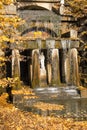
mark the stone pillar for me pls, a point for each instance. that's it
(73, 34)
(49, 66)
(67, 69)
(30, 74)
(55, 67)
(63, 67)
(35, 68)
(15, 63)
(74, 74)
(49, 73)
(62, 8)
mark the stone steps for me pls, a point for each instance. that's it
(61, 92)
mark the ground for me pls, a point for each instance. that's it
(12, 118)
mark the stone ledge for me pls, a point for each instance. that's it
(83, 93)
(32, 44)
(48, 1)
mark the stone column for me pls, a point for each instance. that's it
(15, 63)
(63, 66)
(49, 66)
(74, 75)
(49, 73)
(50, 44)
(55, 67)
(30, 73)
(30, 70)
(62, 9)
(35, 68)
(67, 69)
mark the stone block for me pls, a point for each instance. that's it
(73, 33)
(10, 9)
(84, 93)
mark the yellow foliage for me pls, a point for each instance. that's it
(77, 7)
(8, 26)
(2, 59)
(37, 34)
(11, 40)
(1, 5)
(4, 38)
(7, 1)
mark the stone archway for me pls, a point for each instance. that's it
(40, 20)
(40, 32)
(36, 5)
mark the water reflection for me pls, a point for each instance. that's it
(73, 107)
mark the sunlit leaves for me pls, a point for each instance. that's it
(48, 106)
(1, 5)
(4, 38)
(16, 119)
(9, 25)
(2, 59)
(78, 7)
(7, 2)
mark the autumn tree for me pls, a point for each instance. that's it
(9, 33)
(78, 9)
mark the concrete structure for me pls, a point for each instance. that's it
(46, 30)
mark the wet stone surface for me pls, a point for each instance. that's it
(73, 105)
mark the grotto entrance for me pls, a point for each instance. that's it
(43, 67)
(45, 64)
(25, 66)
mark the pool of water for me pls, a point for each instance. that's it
(74, 106)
